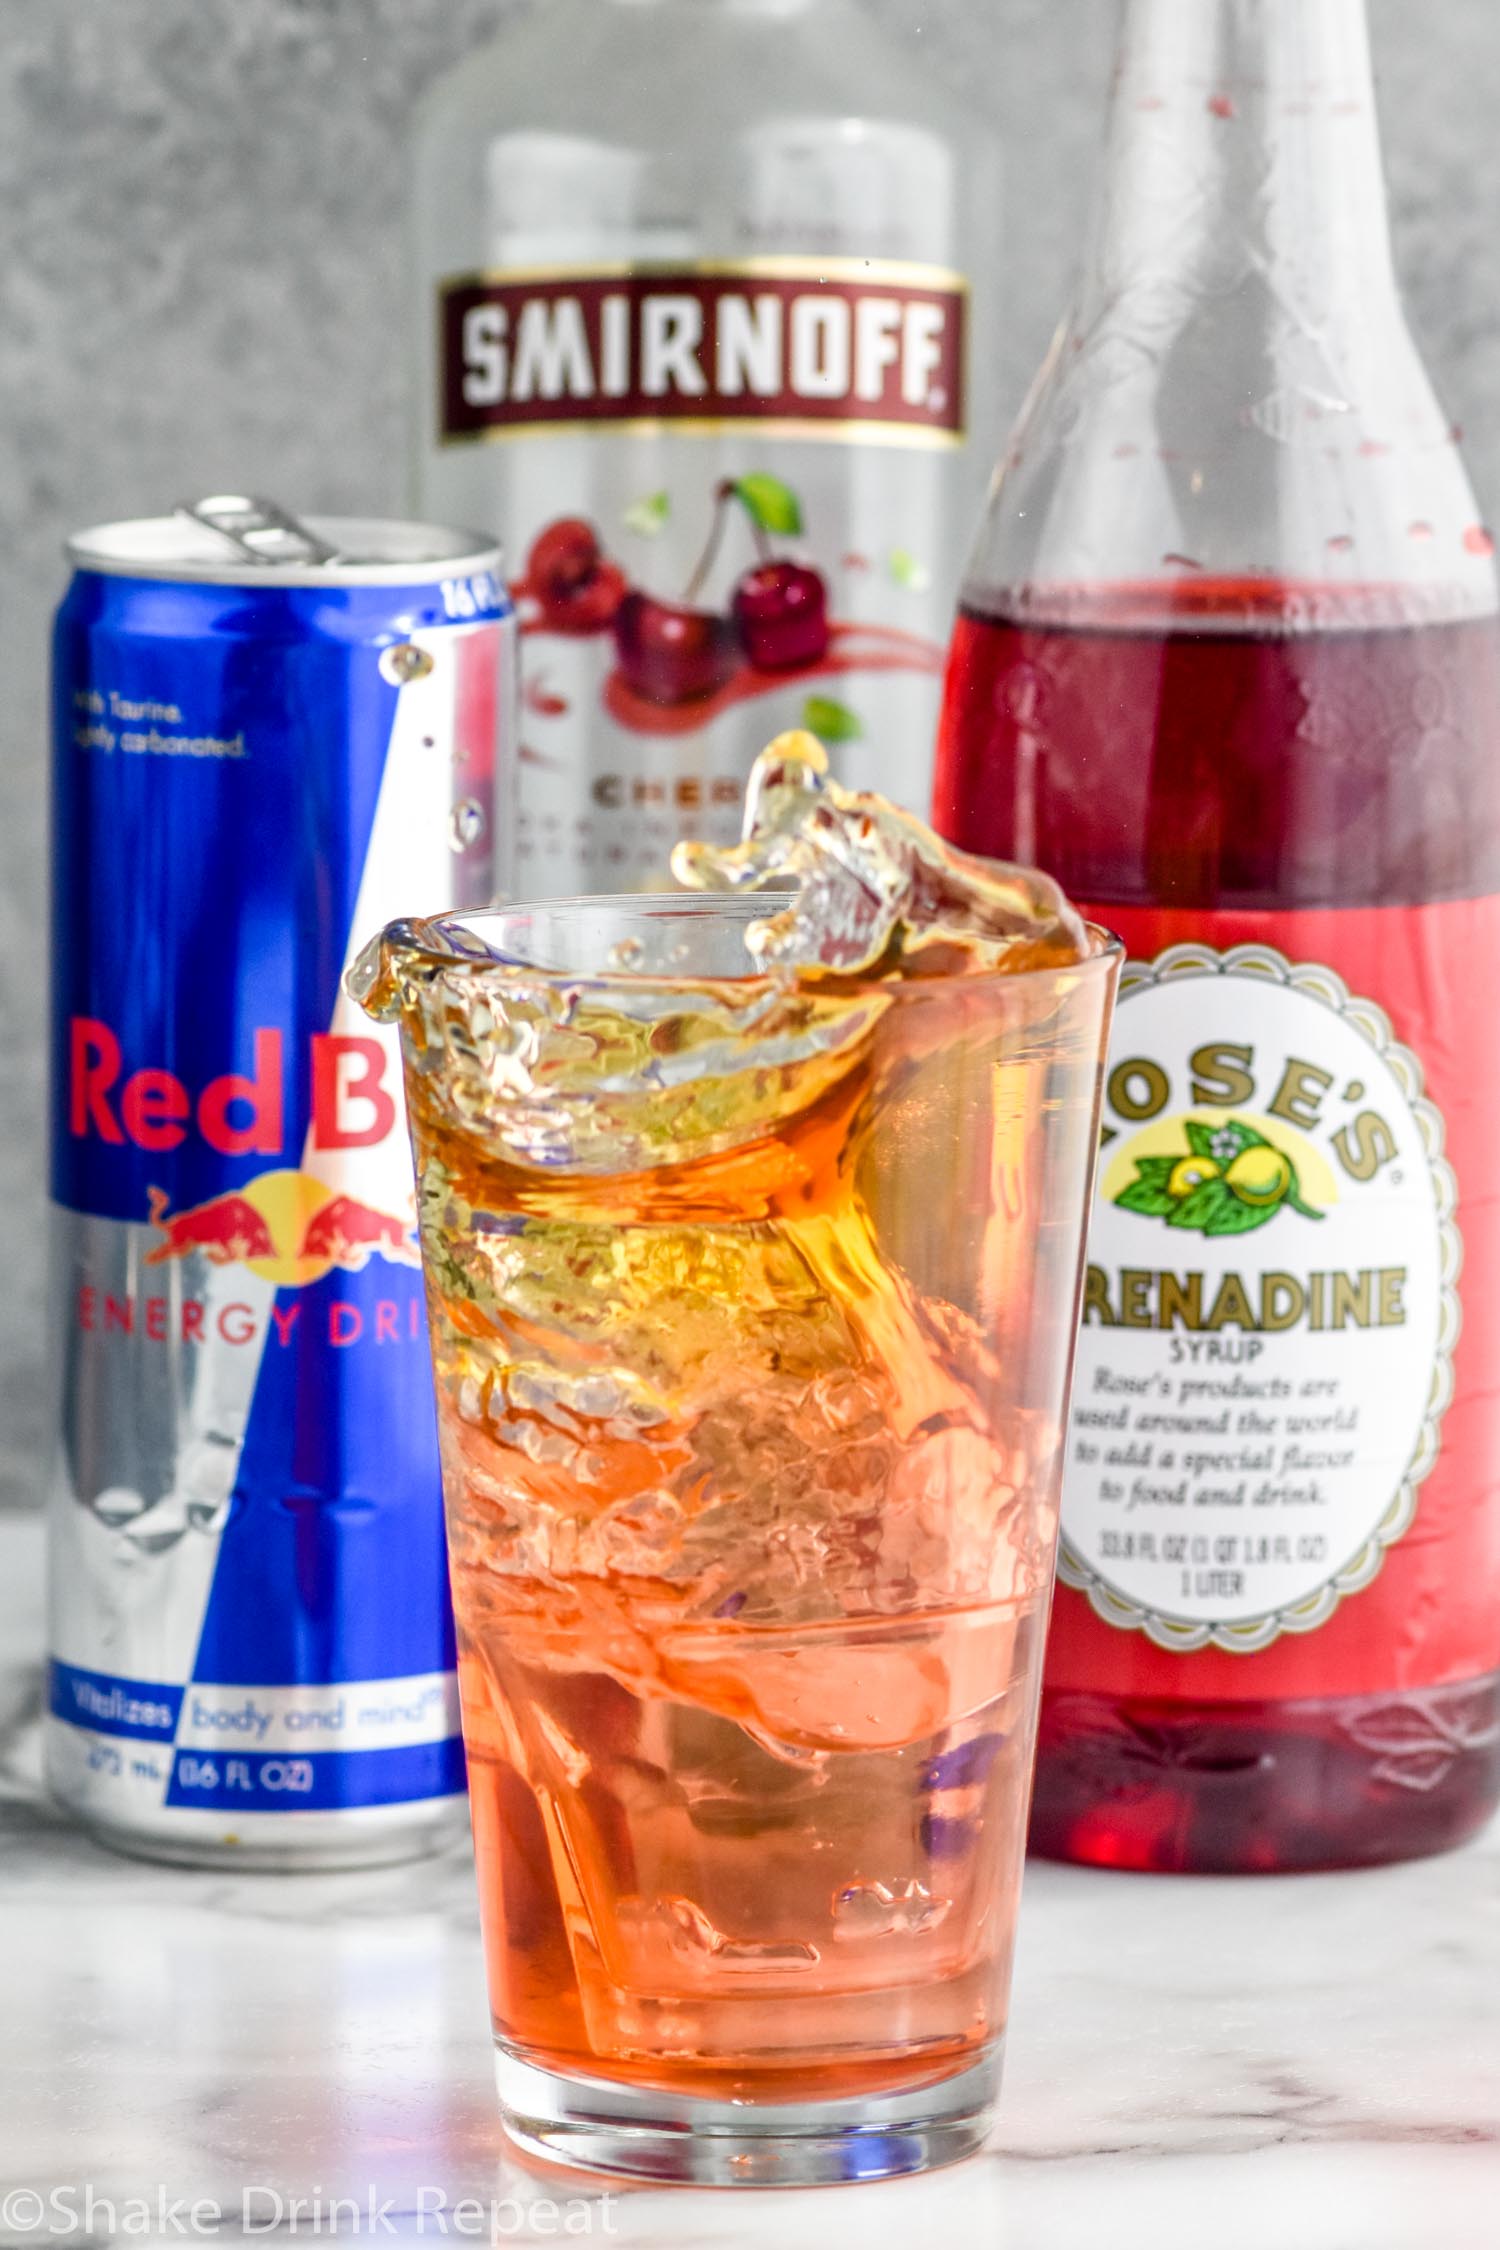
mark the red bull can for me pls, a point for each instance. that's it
(271, 736)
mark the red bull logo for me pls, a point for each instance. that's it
(350, 1234)
(226, 1230)
(286, 1227)
(350, 1104)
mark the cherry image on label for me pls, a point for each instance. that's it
(575, 588)
(781, 609)
(670, 652)
(676, 652)
(679, 663)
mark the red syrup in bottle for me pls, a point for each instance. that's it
(1227, 665)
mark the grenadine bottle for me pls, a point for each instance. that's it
(1227, 664)
(693, 334)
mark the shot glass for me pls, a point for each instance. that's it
(752, 1305)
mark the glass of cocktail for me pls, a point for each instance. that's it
(753, 1246)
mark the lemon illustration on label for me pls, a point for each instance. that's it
(1261, 1177)
(1192, 1172)
(1231, 1179)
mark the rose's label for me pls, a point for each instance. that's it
(1271, 1305)
(831, 347)
(1300, 1111)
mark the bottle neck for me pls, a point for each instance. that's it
(1245, 132)
(1236, 401)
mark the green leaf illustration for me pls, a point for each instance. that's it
(833, 722)
(1244, 1136)
(907, 572)
(1240, 1218)
(1157, 1169)
(648, 516)
(1214, 1205)
(770, 503)
(1151, 1201)
(1203, 1204)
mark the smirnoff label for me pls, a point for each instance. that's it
(1272, 1305)
(731, 496)
(827, 348)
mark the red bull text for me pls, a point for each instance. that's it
(271, 737)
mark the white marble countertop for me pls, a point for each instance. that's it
(1310, 2063)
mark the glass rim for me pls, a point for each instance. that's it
(745, 906)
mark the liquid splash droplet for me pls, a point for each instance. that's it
(627, 955)
(466, 825)
(1478, 541)
(404, 663)
(874, 887)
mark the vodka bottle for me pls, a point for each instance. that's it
(694, 336)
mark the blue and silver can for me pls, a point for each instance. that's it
(270, 737)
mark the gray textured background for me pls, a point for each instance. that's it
(200, 287)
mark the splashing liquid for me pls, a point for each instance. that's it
(876, 893)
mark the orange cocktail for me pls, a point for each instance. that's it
(753, 1287)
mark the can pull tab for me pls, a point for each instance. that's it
(260, 530)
